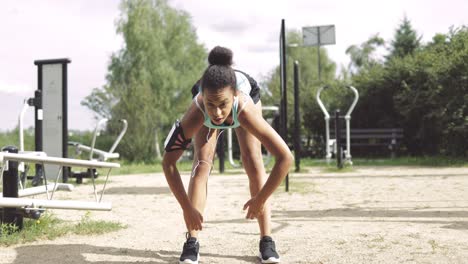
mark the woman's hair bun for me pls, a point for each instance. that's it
(220, 56)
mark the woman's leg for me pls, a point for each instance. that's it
(251, 155)
(204, 149)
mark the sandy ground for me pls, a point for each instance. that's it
(370, 215)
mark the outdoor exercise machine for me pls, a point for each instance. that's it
(50, 114)
(334, 145)
(15, 207)
(79, 148)
(51, 124)
(101, 154)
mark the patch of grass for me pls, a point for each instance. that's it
(301, 187)
(341, 242)
(330, 169)
(49, 227)
(186, 165)
(134, 168)
(433, 244)
(182, 165)
(425, 161)
(378, 239)
(142, 167)
(87, 226)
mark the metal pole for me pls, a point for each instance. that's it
(10, 189)
(58, 161)
(338, 153)
(348, 124)
(38, 117)
(318, 54)
(13, 203)
(43, 189)
(327, 124)
(66, 171)
(297, 129)
(230, 157)
(284, 101)
(220, 149)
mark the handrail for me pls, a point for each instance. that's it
(356, 98)
(57, 161)
(347, 118)
(96, 129)
(122, 133)
(54, 204)
(20, 123)
(319, 101)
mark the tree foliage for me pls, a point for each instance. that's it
(406, 40)
(421, 88)
(149, 79)
(361, 56)
(433, 95)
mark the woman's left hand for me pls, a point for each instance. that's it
(255, 206)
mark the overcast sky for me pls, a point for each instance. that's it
(84, 31)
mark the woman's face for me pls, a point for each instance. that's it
(218, 104)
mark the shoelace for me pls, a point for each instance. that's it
(268, 244)
(190, 245)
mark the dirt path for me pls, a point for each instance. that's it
(371, 215)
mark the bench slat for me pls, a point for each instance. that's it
(369, 144)
(376, 136)
(376, 130)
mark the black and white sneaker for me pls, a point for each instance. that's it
(268, 252)
(190, 253)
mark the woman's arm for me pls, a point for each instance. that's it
(190, 123)
(254, 123)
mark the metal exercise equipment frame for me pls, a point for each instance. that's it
(12, 197)
(101, 154)
(328, 141)
(283, 130)
(267, 157)
(51, 111)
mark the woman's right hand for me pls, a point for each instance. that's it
(193, 219)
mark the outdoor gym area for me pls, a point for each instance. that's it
(355, 193)
(369, 215)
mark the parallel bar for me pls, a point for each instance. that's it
(51, 204)
(103, 154)
(58, 161)
(42, 189)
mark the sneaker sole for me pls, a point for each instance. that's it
(188, 261)
(270, 260)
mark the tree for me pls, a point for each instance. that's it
(149, 79)
(362, 56)
(432, 101)
(424, 92)
(406, 40)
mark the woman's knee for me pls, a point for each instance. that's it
(201, 169)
